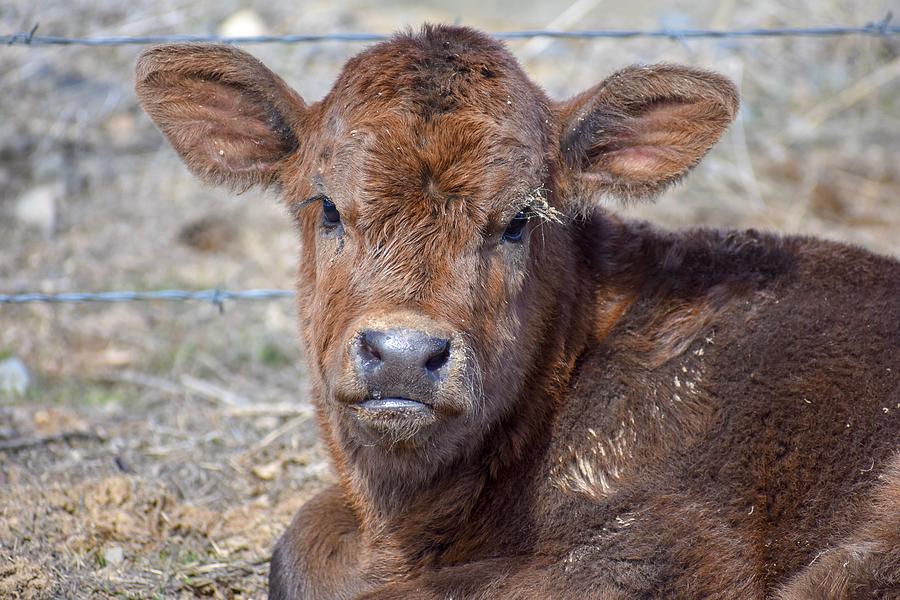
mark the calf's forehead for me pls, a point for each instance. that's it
(453, 158)
(443, 117)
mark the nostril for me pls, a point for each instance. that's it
(439, 358)
(369, 344)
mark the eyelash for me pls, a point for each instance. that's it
(515, 230)
(330, 215)
(331, 218)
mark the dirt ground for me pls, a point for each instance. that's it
(160, 448)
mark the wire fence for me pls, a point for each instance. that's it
(218, 297)
(880, 27)
(213, 296)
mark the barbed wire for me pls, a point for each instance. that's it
(213, 296)
(218, 297)
(880, 27)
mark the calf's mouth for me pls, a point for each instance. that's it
(394, 404)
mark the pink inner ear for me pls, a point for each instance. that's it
(660, 142)
(640, 162)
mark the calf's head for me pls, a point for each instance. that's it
(436, 192)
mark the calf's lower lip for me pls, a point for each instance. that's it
(393, 405)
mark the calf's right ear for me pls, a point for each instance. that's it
(232, 120)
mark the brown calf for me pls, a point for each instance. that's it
(525, 396)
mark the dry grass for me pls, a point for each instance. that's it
(182, 437)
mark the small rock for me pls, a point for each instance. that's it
(114, 556)
(14, 377)
(267, 472)
(37, 207)
(243, 23)
(117, 357)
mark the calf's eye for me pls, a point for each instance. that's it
(516, 227)
(330, 214)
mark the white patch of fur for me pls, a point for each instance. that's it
(596, 467)
(580, 476)
(595, 471)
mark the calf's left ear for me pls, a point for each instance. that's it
(642, 129)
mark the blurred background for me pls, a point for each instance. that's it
(157, 449)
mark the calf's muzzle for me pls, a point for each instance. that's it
(397, 365)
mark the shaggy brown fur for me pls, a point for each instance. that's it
(620, 412)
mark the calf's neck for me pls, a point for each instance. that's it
(523, 395)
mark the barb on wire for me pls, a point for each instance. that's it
(882, 27)
(215, 297)
(25, 37)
